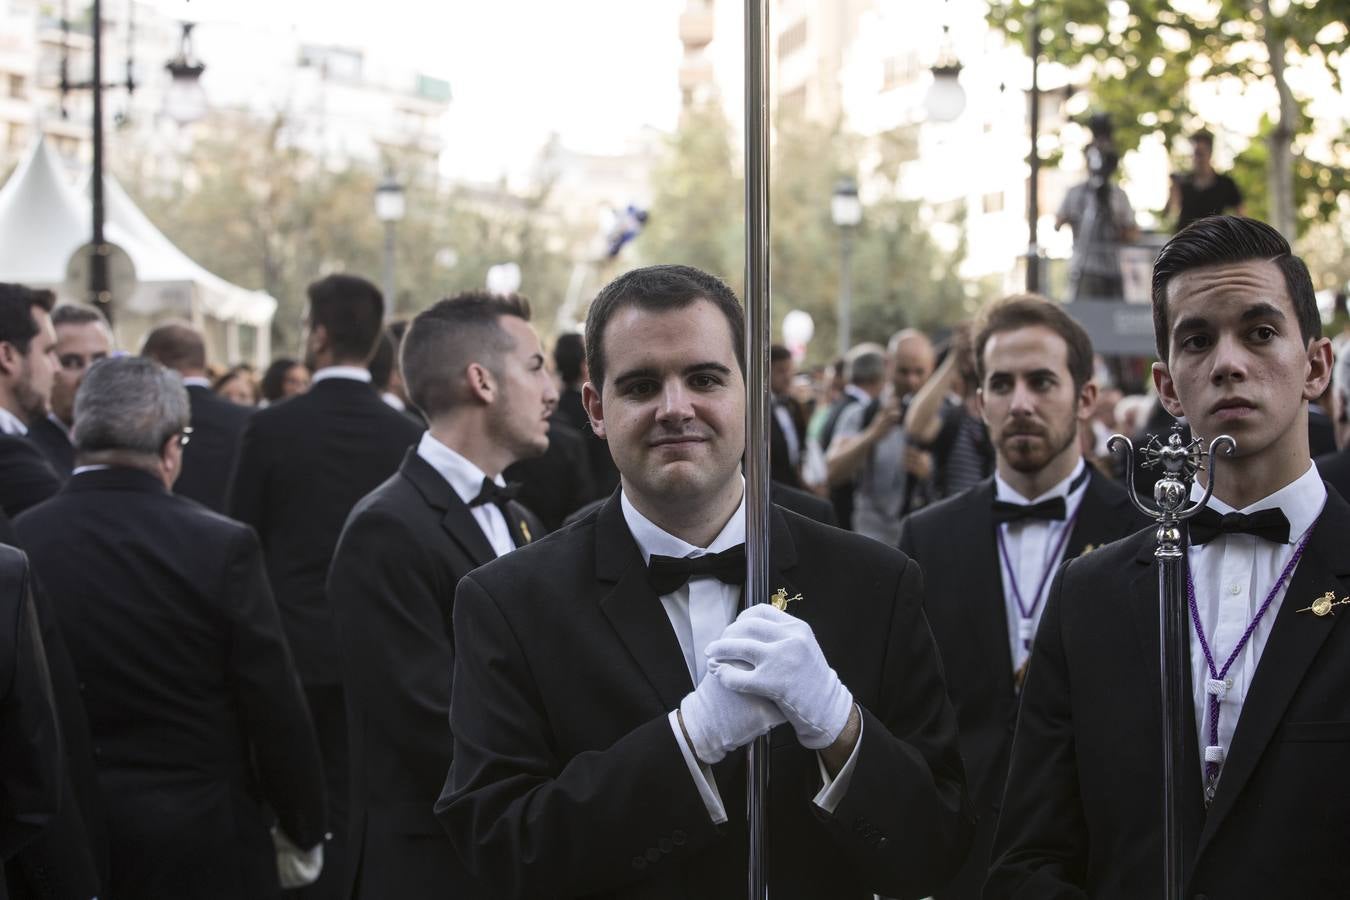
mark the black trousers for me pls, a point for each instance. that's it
(328, 708)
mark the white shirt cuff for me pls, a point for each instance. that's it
(703, 775)
(834, 788)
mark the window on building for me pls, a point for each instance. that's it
(793, 103)
(900, 69)
(792, 40)
(18, 88)
(992, 203)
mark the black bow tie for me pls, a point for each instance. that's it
(492, 492)
(1049, 510)
(667, 574)
(1270, 524)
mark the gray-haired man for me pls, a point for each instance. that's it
(198, 722)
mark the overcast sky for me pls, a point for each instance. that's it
(594, 71)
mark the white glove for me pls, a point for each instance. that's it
(295, 867)
(771, 654)
(718, 720)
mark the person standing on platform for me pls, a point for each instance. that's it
(1202, 191)
(604, 686)
(302, 466)
(988, 553)
(82, 339)
(217, 423)
(1262, 780)
(474, 367)
(27, 369)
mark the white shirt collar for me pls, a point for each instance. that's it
(394, 401)
(652, 540)
(12, 424)
(1301, 501)
(56, 420)
(464, 477)
(1005, 491)
(355, 373)
(857, 393)
(197, 381)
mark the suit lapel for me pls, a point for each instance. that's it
(1100, 518)
(1294, 643)
(456, 519)
(989, 612)
(635, 611)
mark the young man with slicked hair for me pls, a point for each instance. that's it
(82, 339)
(27, 367)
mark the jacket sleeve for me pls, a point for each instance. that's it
(271, 701)
(527, 823)
(29, 480)
(906, 821)
(246, 492)
(1040, 847)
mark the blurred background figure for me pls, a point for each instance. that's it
(238, 385)
(82, 338)
(1202, 191)
(944, 420)
(217, 422)
(569, 362)
(1101, 218)
(285, 377)
(27, 370)
(864, 375)
(787, 436)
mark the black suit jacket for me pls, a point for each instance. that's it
(55, 445)
(1335, 470)
(558, 482)
(604, 474)
(392, 586)
(26, 477)
(197, 717)
(780, 463)
(1083, 811)
(567, 779)
(302, 466)
(955, 543)
(208, 458)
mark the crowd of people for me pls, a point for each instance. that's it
(434, 610)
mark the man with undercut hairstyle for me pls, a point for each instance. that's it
(1263, 778)
(302, 465)
(474, 367)
(988, 553)
(605, 687)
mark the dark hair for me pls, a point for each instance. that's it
(382, 361)
(239, 370)
(17, 325)
(77, 314)
(1216, 240)
(1031, 310)
(659, 288)
(351, 311)
(177, 346)
(1203, 136)
(274, 378)
(778, 353)
(445, 338)
(569, 352)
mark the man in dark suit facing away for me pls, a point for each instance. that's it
(202, 741)
(82, 339)
(27, 367)
(217, 423)
(988, 553)
(601, 702)
(474, 366)
(302, 465)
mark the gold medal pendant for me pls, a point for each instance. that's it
(779, 599)
(1325, 605)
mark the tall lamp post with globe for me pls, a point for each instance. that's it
(390, 206)
(846, 212)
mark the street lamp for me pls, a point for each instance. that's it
(846, 211)
(390, 204)
(185, 101)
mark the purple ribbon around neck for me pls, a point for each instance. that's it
(1028, 614)
(1214, 766)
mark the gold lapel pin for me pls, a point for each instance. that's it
(1088, 549)
(525, 530)
(779, 600)
(1325, 605)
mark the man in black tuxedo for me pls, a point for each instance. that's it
(27, 367)
(600, 707)
(787, 422)
(217, 423)
(474, 365)
(82, 339)
(569, 359)
(302, 465)
(202, 740)
(989, 552)
(1263, 776)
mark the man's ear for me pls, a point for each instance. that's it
(595, 409)
(1167, 390)
(979, 404)
(10, 358)
(1087, 400)
(482, 386)
(1319, 368)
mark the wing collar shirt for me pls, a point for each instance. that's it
(11, 424)
(1232, 575)
(466, 480)
(1030, 545)
(699, 612)
(355, 373)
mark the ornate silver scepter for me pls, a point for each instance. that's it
(1179, 463)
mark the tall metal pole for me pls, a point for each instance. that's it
(1034, 182)
(99, 293)
(758, 325)
(389, 298)
(845, 290)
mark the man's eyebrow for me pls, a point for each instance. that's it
(651, 372)
(1263, 311)
(707, 366)
(633, 374)
(1191, 323)
(1034, 373)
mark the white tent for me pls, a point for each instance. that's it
(43, 220)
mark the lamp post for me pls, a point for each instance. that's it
(185, 101)
(390, 205)
(846, 211)
(1034, 159)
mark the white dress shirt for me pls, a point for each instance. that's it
(355, 373)
(1232, 575)
(1032, 545)
(699, 612)
(466, 480)
(12, 424)
(197, 381)
(783, 415)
